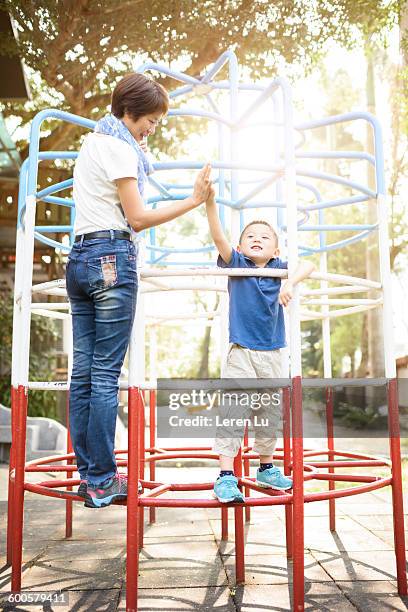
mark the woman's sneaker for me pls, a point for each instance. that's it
(113, 489)
(226, 490)
(104, 494)
(83, 486)
(272, 478)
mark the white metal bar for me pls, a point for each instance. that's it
(51, 314)
(43, 287)
(23, 349)
(341, 302)
(290, 195)
(305, 291)
(184, 315)
(269, 272)
(179, 322)
(185, 287)
(50, 305)
(309, 315)
(137, 344)
(385, 275)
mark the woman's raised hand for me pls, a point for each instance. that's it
(202, 185)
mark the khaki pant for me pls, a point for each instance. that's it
(247, 363)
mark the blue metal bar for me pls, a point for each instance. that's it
(277, 140)
(337, 228)
(179, 76)
(33, 154)
(159, 187)
(221, 173)
(58, 201)
(227, 56)
(177, 250)
(188, 165)
(53, 229)
(309, 187)
(181, 91)
(54, 188)
(22, 190)
(337, 179)
(379, 152)
(170, 192)
(212, 104)
(242, 201)
(72, 214)
(233, 109)
(57, 155)
(187, 112)
(332, 203)
(51, 243)
(337, 155)
(240, 86)
(156, 260)
(196, 264)
(269, 91)
(339, 244)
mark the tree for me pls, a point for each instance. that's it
(78, 50)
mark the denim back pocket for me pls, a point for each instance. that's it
(102, 272)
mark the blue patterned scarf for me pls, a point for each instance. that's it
(112, 126)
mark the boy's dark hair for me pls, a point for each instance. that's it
(138, 95)
(259, 222)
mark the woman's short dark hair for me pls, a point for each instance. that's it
(137, 95)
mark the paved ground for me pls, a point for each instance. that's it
(185, 566)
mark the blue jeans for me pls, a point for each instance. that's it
(102, 287)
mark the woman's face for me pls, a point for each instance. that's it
(142, 127)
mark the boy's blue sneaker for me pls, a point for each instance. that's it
(272, 478)
(226, 490)
(104, 494)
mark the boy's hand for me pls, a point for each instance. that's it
(202, 185)
(286, 293)
(211, 196)
(143, 145)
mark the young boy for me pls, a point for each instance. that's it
(256, 335)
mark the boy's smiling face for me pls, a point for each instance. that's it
(259, 243)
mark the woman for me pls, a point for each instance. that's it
(109, 178)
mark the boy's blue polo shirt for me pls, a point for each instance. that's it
(256, 318)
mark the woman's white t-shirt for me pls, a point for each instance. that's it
(101, 160)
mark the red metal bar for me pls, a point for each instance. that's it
(247, 490)
(298, 497)
(270, 498)
(224, 523)
(397, 500)
(185, 448)
(152, 443)
(10, 497)
(286, 468)
(239, 529)
(20, 451)
(141, 462)
(133, 524)
(330, 454)
(325, 464)
(346, 478)
(163, 488)
(68, 503)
